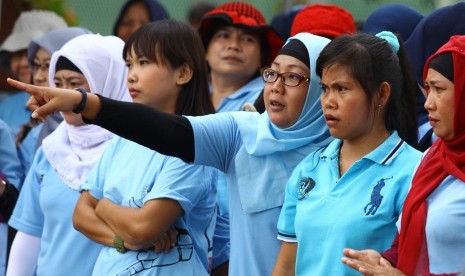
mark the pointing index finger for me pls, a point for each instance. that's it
(23, 86)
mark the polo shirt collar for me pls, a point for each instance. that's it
(383, 154)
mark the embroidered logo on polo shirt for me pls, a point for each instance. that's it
(306, 185)
(376, 197)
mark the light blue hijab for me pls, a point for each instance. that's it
(269, 153)
(53, 41)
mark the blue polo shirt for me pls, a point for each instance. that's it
(246, 94)
(324, 213)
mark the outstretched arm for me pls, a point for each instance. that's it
(45, 101)
(168, 134)
(165, 133)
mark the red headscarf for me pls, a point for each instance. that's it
(444, 158)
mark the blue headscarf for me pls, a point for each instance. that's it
(53, 41)
(155, 9)
(269, 153)
(396, 18)
(433, 31)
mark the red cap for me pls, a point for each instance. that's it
(326, 20)
(243, 15)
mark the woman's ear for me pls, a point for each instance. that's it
(384, 93)
(184, 74)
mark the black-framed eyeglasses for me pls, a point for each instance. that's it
(289, 78)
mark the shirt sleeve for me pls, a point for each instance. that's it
(165, 133)
(184, 183)
(9, 160)
(27, 216)
(217, 140)
(286, 221)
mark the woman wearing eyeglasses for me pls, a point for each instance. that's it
(350, 193)
(256, 151)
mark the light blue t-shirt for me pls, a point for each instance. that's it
(325, 213)
(130, 175)
(234, 102)
(254, 247)
(246, 94)
(445, 227)
(14, 112)
(28, 147)
(45, 209)
(445, 222)
(10, 167)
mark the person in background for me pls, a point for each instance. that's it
(354, 188)
(46, 241)
(196, 11)
(397, 18)
(164, 192)
(433, 31)
(28, 26)
(135, 14)
(13, 111)
(11, 177)
(237, 42)
(256, 151)
(431, 232)
(39, 54)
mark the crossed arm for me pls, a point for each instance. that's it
(139, 228)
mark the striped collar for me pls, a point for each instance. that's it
(383, 154)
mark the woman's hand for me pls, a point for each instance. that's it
(168, 241)
(369, 263)
(47, 100)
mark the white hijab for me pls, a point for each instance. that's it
(73, 151)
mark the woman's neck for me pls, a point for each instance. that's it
(352, 150)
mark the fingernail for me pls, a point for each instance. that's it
(34, 115)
